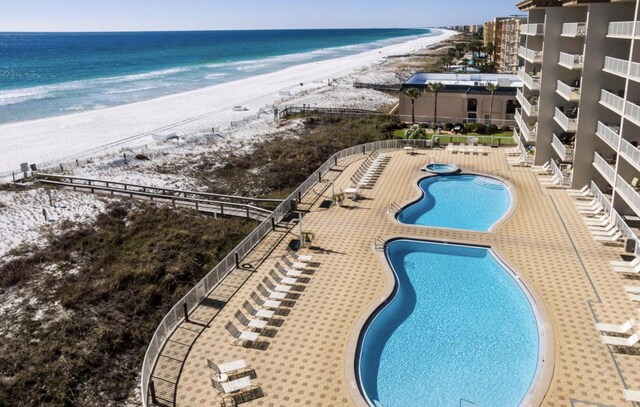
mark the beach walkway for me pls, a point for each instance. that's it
(306, 358)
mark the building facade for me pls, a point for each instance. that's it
(463, 98)
(581, 99)
(504, 34)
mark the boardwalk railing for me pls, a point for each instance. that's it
(191, 300)
(376, 86)
(293, 110)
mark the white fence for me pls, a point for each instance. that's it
(571, 61)
(616, 65)
(607, 171)
(621, 29)
(612, 101)
(574, 29)
(609, 135)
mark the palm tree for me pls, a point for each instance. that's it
(435, 87)
(491, 87)
(413, 94)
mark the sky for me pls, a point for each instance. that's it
(151, 15)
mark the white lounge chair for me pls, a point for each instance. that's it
(622, 263)
(584, 190)
(632, 289)
(599, 221)
(634, 297)
(282, 280)
(606, 232)
(592, 210)
(276, 287)
(271, 295)
(295, 264)
(619, 329)
(288, 272)
(233, 386)
(265, 303)
(609, 239)
(241, 335)
(227, 367)
(632, 395)
(250, 323)
(554, 181)
(260, 313)
(628, 270)
(617, 341)
(546, 167)
(300, 257)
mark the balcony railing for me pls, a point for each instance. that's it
(608, 135)
(530, 55)
(613, 102)
(629, 194)
(632, 112)
(574, 29)
(621, 29)
(567, 124)
(570, 93)
(607, 171)
(616, 66)
(564, 176)
(630, 153)
(564, 152)
(531, 82)
(531, 29)
(527, 106)
(570, 61)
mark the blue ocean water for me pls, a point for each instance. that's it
(458, 328)
(467, 202)
(46, 74)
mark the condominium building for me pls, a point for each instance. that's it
(504, 34)
(581, 99)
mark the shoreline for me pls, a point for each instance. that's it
(190, 112)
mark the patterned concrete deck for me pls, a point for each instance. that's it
(544, 240)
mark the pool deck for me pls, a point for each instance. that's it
(306, 359)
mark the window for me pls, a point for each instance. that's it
(472, 105)
(511, 107)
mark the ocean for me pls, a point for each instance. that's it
(51, 74)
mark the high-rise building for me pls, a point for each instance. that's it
(504, 34)
(581, 99)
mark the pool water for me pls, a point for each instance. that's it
(470, 202)
(458, 327)
(441, 168)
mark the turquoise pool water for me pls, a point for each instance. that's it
(440, 168)
(470, 202)
(458, 327)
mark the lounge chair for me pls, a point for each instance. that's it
(581, 205)
(271, 295)
(618, 341)
(232, 386)
(628, 270)
(593, 209)
(609, 239)
(603, 220)
(622, 263)
(288, 272)
(260, 313)
(250, 323)
(241, 335)
(227, 367)
(581, 191)
(632, 395)
(299, 257)
(634, 297)
(295, 264)
(555, 180)
(276, 287)
(265, 303)
(619, 329)
(605, 232)
(632, 289)
(546, 167)
(282, 280)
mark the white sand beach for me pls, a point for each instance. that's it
(64, 138)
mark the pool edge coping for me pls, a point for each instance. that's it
(541, 382)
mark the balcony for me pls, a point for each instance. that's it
(613, 102)
(568, 124)
(574, 29)
(608, 134)
(622, 29)
(616, 66)
(569, 93)
(526, 132)
(531, 82)
(531, 29)
(632, 112)
(570, 61)
(603, 167)
(630, 153)
(565, 152)
(629, 194)
(530, 55)
(530, 109)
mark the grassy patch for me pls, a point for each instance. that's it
(128, 268)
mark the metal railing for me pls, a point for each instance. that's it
(522, 125)
(530, 55)
(608, 135)
(574, 29)
(564, 180)
(632, 112)
(564, 152)
(530, 109)
(600, 197)
(622, 29)
(616, 65)
(630, 153)
(629, 194)
(531, 82)
(613, 102)
(570, 93)
(531, 29)
(571, 61)
(293, 110)
(567, 124)
(607, 171)
(191, 300)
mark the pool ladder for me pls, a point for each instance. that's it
(394, 207)
(379, 244)
(465, 402)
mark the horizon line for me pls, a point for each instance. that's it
(213, 30)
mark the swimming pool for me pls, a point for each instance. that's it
(471, 202)
(458, 327)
